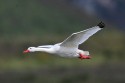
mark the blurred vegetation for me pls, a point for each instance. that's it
(25, 23)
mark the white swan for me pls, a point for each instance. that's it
(69, 47)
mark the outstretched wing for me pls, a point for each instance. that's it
(79, 37)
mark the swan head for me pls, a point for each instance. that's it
(30, 49)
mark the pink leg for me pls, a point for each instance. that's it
(81, 56)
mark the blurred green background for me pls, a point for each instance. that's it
(25, 23)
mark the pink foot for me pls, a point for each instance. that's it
(84, 56)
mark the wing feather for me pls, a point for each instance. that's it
(79, 37)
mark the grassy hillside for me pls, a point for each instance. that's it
(37, 22)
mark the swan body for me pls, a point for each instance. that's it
(69, 47)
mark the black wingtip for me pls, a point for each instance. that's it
(101, 25)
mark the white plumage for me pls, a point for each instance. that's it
(69, 47)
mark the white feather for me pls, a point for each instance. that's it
(69, 47)
(79, 37)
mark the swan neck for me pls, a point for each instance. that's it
(44, 50)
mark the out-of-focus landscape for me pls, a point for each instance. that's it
(25, 23)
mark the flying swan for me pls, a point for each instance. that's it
(69, 47)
